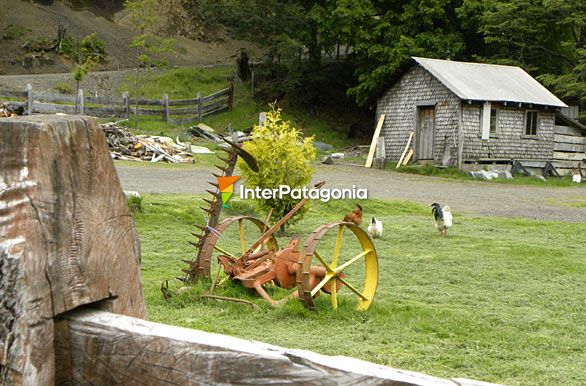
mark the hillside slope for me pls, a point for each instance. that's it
(28, 21)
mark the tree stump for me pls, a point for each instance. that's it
(66, 238)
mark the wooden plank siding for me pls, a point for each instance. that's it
(182, 110)
(399, 104)
(458, 133)
(568, 130)
(569, 148)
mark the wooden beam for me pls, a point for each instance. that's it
(569, 156)
(567, 130)
(408, 157)
(101, 348)
(558, 146)
(67, 237)
(377, 131)
(405, 151)
(569, 139)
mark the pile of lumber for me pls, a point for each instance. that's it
(124, 145)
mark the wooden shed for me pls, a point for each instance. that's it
(474, 113)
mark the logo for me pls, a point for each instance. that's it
(226, 185)
(322, 194)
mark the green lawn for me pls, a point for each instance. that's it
(499, 300)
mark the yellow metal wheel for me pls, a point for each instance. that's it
(340, 259)
(232, 237)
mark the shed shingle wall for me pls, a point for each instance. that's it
(510, 140)
(399, 106)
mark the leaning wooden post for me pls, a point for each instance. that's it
(377, 131)
(126, 102)
(405, 150)
(79, 102)
(166, 107)
(230, 96)
(199, 106)
(29, 99)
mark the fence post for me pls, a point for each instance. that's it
(230, 95)
(126, 101)
(29, 99)
(79, 102)
(166, 107)
(379, 160)
(199, 106)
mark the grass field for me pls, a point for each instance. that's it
(499, 300)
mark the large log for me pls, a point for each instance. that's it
(66, 238)
(100, 348)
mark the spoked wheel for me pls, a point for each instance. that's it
(232, 237)
(346, 254)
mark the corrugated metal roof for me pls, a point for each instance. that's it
(489, 82)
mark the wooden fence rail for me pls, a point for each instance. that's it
(171, 110)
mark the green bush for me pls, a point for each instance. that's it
(63, 88)
(89, 47)
(134, 204)
(284, 158)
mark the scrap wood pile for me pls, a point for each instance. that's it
(124, 145)
(7, 110)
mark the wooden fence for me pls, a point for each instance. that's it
(172, 110)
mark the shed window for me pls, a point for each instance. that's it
(531, 119)
(493, 120)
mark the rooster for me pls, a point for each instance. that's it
(375, 229)
(443, 218)
(355, 216)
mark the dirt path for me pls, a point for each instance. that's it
(480, 198)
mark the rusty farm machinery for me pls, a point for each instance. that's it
(244, 248)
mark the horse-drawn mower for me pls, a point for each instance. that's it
(244, 249)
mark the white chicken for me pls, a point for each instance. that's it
(443, 218)
(577, 174)
(375, 228)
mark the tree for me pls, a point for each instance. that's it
(402, 29)
(546, 37)
(284, 158)
(86, 53)
(148, 47)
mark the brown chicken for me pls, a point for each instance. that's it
(355, 216)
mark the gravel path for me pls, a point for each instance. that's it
(479, 198)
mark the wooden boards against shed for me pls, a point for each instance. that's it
(379, 126)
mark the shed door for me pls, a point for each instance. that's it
(425, 131)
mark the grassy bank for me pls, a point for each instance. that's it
(185, 83)
(499, 300)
